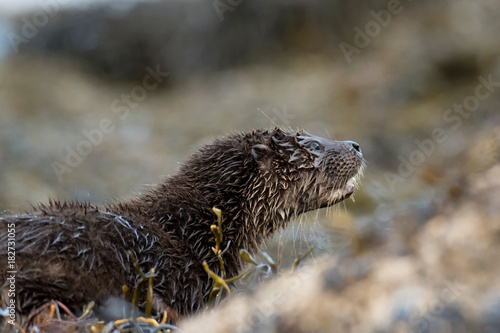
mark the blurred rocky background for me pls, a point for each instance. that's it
(99, 99)
(440, 278)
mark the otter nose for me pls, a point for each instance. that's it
(353, 145)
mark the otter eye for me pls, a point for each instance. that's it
(316, 146)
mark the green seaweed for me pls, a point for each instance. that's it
(221, 283)
(142, 278)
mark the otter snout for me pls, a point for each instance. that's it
(354, 146)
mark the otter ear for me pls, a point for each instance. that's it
(261, 153)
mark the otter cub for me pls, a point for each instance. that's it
(77, 252)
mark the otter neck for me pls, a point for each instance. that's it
(251, 214)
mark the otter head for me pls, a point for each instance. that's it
(306, 171)
(261, 180)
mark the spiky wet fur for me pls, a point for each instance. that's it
(76, 252)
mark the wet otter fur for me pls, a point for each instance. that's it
(77, 252)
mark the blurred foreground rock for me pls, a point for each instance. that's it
(443, 277)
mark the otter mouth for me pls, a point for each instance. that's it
(342, 193)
